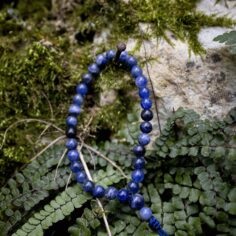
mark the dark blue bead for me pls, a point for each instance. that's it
(123, 57)
(144, 92)
(155, 225)
(73, 155)
(76, 166)
(101, 60)
(136, 71)
(98, 191)
(145, 213)
(123, 195)
(139, 163)
(71, 143)
(74, 110)
(146, 127)
(111, 193)
(137, 176)
(141, 81)
(71, 132)
(131, 61)
(82, 89)
(78, 99)
(133, 187)
(110, 54)
(87, 78)
(88, 186)
(139, 150)
(144, 139)
(94, 69)
(147, 115)
(137, 201)
(71, 121)
(146, 103)
(81, 177)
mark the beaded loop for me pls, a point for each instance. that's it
(129, 195)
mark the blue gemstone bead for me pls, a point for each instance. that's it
(101, 60)
(139, 163)
(133, 187)
(144, 92)
(71, 121)
(137, 201)
(146, 127)
(147, 115)
(71, 143)
(145, 213)
(146, 103)
(87, 78)
(136, 71)
(139, 150)
(81, 177)
(94, 69)
(131, 61)
(137, 176)
(98, 191)
(123, 57)
(74, 110)
(73, 155)
(78, 99)
(141, 81)
(111, 193)
(88, 186)
(143, 139)
(76, 166)
(71, 132)
(82, 89)
(110, 54)
(123, 195)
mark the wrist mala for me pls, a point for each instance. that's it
(129, 194)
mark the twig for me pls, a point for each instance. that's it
(60, 160)
(48, 146)
(92, 157)
(68, 180)
(98, 201)
(50, 105)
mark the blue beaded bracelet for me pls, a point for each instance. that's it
(125, 195)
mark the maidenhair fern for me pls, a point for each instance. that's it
(189, 185)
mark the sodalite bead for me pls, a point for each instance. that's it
(94, 69)
(137, 201)
(136, 71)
(137, 176)
(81, 177)
(78, 99)
(111, 193)
(133, 187)
(144, 139)
(74, 110)
(146, 127)
(87, 78)
(71, 132)
(71, 121)
(88, 186)
(147, 115)
(139, 150)
(76, 166)
(141, 81)
(131, 61)
(146, 103)
(139, 163)
(144, 92)
(145, 213)
(71, 143)
(123, 195)
(82, 89)
(73, 155)
(110, 54)
(123, 57)
(98, 191)
(101, 60)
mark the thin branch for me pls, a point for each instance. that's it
(49, 104)
(60, 160)
(98, 201)
(68, 180)
(92, 157)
